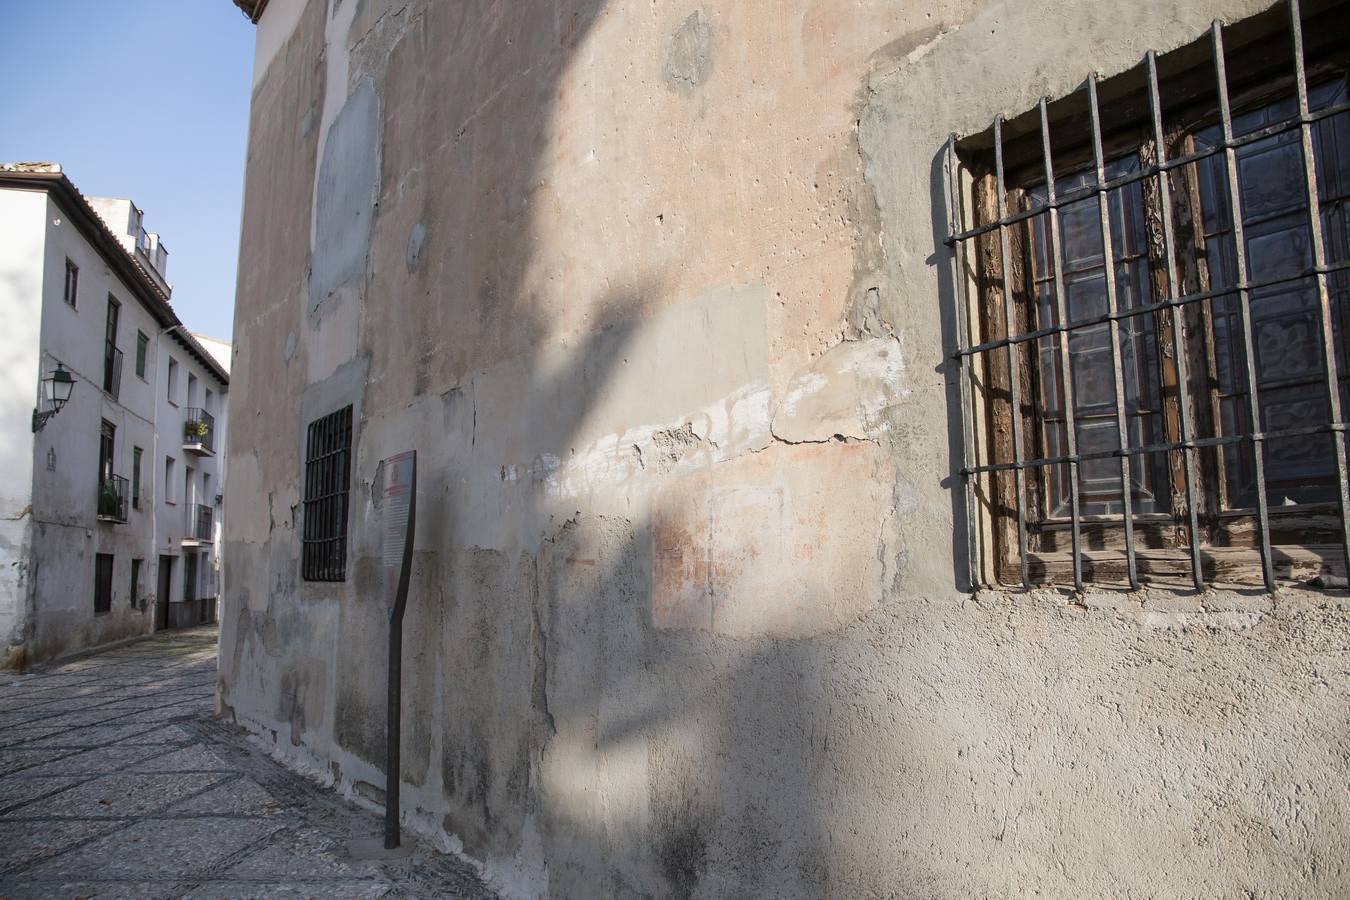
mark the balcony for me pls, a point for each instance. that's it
(112, 372)
(112, 499)
(199, 432)
(201, 528)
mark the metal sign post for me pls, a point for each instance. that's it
(400, 519)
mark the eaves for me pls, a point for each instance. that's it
(252, 8)
(92, 227)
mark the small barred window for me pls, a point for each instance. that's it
(327, 476)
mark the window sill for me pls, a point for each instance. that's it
(1224, 567)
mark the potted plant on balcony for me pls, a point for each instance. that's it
(108, 501)
(195, 431)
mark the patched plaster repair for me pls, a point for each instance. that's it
(655, 291)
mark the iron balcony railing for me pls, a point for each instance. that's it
(112, 371)
(113, 493)
(203, 522)
(199, 428)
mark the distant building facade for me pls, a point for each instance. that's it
(107, 510)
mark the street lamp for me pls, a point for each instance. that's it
(56, 390)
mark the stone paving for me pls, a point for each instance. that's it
(116, 781)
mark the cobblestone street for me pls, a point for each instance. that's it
(115, 781)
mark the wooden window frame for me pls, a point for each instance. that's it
(1305, 542)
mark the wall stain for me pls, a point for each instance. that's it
(689, 58)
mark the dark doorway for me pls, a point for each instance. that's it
(103, 575)
(162, 595)
(189, 577)
(134, 597)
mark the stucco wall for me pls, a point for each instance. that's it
(67, 532)
(175, 505)
(655, 291)
(21, 276)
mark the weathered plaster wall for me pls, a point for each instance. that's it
(22, 215)
(67, 532)
(174, 506)
(654, 290)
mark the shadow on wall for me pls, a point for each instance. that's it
(944, 259)
(573, 732)
(633, 760)
(607, 755)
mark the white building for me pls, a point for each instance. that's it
(189, 479)
(104, 504)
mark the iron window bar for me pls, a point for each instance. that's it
(1150, 308)
(1195, 444)
(1328, 341)
(955, 213)
(1065, 363)
(1143, 173)
(1178, 329)
(1112, 305)
(113, 491)
(327, 475)
(1244, 305)
(204, 522)
(1014, 382)
(1242, 288)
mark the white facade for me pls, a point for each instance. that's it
(127, 222)
(189, 479)
(63, 503)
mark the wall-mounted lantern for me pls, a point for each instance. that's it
(56, 390)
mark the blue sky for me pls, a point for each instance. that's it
(147, 100)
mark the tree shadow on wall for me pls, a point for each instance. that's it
(634, 760)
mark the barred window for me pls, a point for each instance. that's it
(1155, 277)
(327, 475)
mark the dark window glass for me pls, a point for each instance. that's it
(1286, 328)
(1290, 376)
(136, 454)
(1090, 365)
(142, 345)
(103, 575)
(135, 581)
(106, 443)
(72, 282)
(327, 473)
(112, 357)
